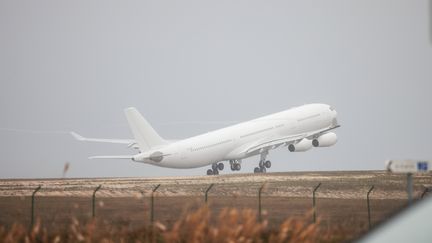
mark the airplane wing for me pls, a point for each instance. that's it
(129, 142)
(112, 157)
(317, 134)
(272, 143)
(155, 156)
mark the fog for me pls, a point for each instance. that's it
(195, 66)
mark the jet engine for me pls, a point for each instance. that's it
(325, 140)
(304, 145)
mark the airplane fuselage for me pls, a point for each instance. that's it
(236, 142)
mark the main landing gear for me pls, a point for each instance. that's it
(235, 164)
(216, 167)
(263, 164)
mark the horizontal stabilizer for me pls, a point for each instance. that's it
(112, 157)
(102, 140)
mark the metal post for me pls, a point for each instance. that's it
(152, 203)
(426, 190)
(206, 192)
(259, 202)
(94, 200)
(430, 21)
(313, 201)
(368, 205)
(32, 205)
(409, 187)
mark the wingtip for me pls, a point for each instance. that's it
(130, 108)
(77, 136)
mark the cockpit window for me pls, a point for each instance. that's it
(331, 108)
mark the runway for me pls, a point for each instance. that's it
(341, 184)
(341, 198)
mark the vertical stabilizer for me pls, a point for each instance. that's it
(145, 136)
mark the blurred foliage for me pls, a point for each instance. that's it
(230, 225)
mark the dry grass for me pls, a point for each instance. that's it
(230, 225)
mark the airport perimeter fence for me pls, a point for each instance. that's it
(262, 208)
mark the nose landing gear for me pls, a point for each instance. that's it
(263, 164)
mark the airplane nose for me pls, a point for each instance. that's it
(333, 111)
(334, 122)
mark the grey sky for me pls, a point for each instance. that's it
(75, 65)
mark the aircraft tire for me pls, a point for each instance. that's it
(263, 170)
(220, 166)
(209, 172)
(215, 172)
(257, 170)
(237, 166)
(267, 164)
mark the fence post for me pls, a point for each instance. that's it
(313, 202)
(94, 201)
(426, 190)
(32, 205)
(152, 202)
(259, 201)
(409, 187)
(206, 192)
(368, 205)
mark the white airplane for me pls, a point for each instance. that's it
(298, 128)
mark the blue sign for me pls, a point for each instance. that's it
(422, 166)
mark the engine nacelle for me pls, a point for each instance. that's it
(302, 146)
(325, 140)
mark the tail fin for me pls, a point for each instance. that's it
(144, 134)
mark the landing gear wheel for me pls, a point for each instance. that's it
(263, 170)
(261, 164)
(214, 166)
(267, 164)
(233, 167)
(209, 172)
(237, 166)
(220, 166)
(257, 170)
(215, 172)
